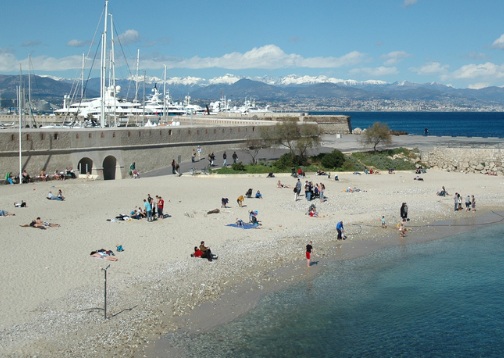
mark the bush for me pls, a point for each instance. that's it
(239, 167)
(335, 159)
(288, 160)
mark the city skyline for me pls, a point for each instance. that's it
(456, 43)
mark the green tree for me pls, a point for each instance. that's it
(297, 138)
(376, 134)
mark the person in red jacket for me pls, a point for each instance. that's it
(160, 206)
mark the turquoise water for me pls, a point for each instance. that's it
(443, 298)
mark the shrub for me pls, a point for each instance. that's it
(239, 167)
(335, 159)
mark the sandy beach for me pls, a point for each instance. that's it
(52, 296)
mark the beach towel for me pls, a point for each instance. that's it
(244, 226)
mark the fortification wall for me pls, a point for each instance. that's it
(489, 160)
(108, 152)
(150, 148)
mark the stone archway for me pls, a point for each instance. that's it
(85, 166)
(109, 168)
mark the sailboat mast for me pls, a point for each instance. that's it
(164, 95)
(112, 66)
(136, 78)
(103, 73)
(20, 126)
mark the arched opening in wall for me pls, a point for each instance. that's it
(109, 168)
(85, 166)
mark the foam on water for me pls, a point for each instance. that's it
(437, 299)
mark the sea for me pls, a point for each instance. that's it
(443, 298)
(465, 124)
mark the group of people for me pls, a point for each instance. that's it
(312, 191)
(470, 203)
(152, 209)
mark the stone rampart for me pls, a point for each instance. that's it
(109, 152)
(485, 160)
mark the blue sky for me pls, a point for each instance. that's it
(453, 42)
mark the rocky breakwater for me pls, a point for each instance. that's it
(488, 161)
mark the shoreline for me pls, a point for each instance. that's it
(239, 300)
(155, 284)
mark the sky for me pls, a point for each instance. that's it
(453, 42)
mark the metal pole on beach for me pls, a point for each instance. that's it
(105, 291)
(20, 109)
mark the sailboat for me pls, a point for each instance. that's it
(108, 109)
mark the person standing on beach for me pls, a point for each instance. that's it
(404, 212)
(383, 223)
(297, 190)
(235, 157)
(224, 160)
(340, 229)
(473, 203)
(468, 203)
(160, 206)
(309, 249)
(148, 210)
(455, 202)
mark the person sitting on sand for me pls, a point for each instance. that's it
(51, 196)
(443, 192)
(60, 195)
(207, 253)
(21, 204)
(248, 194)
(104, 254)
(280, 185)
(258, 195)
(240, 200)
(402, 229)
(253, 217)
(313, 213)
(6, 213)
(25, 177)
(224, 202)
(240, 222)
(197, 252)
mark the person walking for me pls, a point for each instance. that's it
(309, 249)
(224, 160)
(174, 166)
(340, 229)
(297, 190)
(404, 212)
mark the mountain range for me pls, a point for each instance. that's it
(282, 93)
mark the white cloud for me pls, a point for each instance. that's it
(227, 79)
(394, 57)
(499, 43)
(77, 43)
(479, 85)
(482, 71)
(8, 62)
(431, 68)
(268, 57)
(375, 71)
(409, 2)
(129, 37)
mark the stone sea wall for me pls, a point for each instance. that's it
(487, 160)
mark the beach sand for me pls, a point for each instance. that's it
(53, 291)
